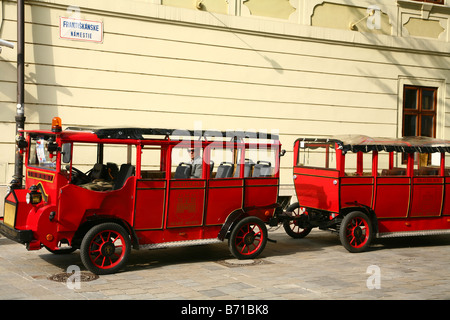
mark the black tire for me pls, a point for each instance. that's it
(248, 238)
(291, 227)
(356, 232)
(105, 248)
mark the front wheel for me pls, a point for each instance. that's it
(105, 248)
(356, 231)
(248, 238)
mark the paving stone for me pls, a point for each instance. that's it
(316, 267)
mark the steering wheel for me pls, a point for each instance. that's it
(78, 176)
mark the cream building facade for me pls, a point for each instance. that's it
(296, 68)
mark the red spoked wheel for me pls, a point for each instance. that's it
(105, 248)
(293, 227)
(248, 238)
(355, 231)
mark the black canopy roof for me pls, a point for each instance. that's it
(140, 133)
(356, 143)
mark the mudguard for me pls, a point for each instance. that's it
(232, 217)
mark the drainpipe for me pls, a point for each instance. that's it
(20, 113)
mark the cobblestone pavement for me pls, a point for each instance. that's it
(316, 267)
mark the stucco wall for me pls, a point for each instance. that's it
(177, 67)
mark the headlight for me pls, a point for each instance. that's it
(34, 196)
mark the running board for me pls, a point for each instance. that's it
(412, 233)
(174, 244)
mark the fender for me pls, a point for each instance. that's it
(93, 220)
(231, 219)
(243, 212)
(358, 206)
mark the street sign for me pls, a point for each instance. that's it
(82, 30)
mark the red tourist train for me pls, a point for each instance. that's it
(145, 188)
(153, 188)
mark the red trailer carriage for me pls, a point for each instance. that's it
(363, 187)
(145, 188)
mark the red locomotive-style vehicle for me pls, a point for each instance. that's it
(362, 188)
(105, 191)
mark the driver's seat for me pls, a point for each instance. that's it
(98, 171)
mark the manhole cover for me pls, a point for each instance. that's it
(241, 263)
(83, 276)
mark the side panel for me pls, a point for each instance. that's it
(392, 197)
(357, 189)
(260, 192)
(387, 226)
(405, 207)
(76, 201)
(186, 203)
(155, 237)
(224, 196)
(446, 204)
(317, 188)
(427, 197)
(150, 204)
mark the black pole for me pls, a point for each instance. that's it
(20, 113)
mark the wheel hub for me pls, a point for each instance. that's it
(357, 232)
(249, 238)
(108, 249)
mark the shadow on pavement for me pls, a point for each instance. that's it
(285, 245)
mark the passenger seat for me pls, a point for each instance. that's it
(126, 171)
(183, 171)
(225, 170)
(262, 169)
(248, 166)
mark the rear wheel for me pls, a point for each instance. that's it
(356, 231)
(248, 238)
(105, 248)
(292, 227)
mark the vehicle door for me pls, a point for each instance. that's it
(151, 189)
(427, 186)
(316, 178)
(225, 190)
(358, 181)
(261, 182)
(393, 186)
(187, 186)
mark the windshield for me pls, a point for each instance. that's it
(39, 155)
